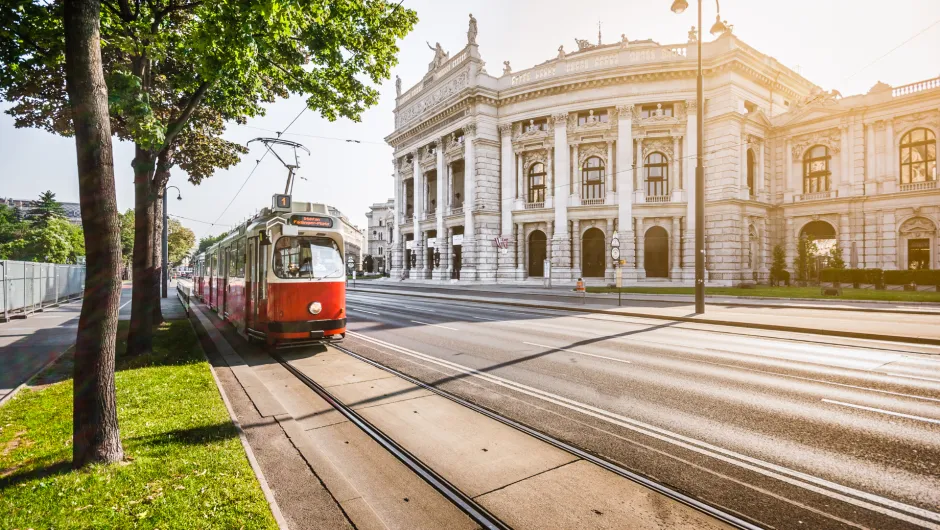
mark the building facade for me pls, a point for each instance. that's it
(381, 218)
(354, 239)
(73, 210)
(535, 172)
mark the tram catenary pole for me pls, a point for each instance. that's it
(165, 270)
(678, 6)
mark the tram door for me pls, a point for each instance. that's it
(251, 287)
(259, 269)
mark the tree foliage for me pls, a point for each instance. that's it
(805, 252)
(208, 241)
(836, 261)
(179, 242)
(45, 209)
(127, 235)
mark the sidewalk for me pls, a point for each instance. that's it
(523, 481)
(916, 328)
(566, 289)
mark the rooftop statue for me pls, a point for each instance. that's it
(472, 31)
(506, 68)
(693, 35)
(561, 51)
(397, 86)
(439, 56)
(583, 44)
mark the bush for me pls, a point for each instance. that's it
(927, 277)
(899, 277)
(873, 276)
(831, 275)
(782, 277)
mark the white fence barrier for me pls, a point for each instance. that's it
(26, 287)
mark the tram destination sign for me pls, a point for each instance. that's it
(311, 221)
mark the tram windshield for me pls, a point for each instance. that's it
(307, 257)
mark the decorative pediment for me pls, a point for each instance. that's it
(586, 151)
(534, 157)
(918, 227)
(663, 145)
(418, 108)
(918, 119)
(531, 130)
(830, 138)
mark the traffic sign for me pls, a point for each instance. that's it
(281, 202)
(615, 243)
(615, 253)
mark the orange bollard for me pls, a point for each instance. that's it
(580, 287)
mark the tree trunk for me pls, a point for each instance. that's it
(158, 254)
(140, 337)
(96, 436)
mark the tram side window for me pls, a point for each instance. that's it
(307, 257)
(239, 258)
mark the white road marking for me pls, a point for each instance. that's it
(482, 318)
(124, 304)
(435, 325)
(863, 499)
(889, 412)
(580, 353)
(911, 376)
(364, 311)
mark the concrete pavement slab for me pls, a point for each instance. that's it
(330, 369)
(377, 392)
(582, 495)
(475, 453)
(401, 498)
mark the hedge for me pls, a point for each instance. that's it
(899, 277)
(927, 276)
(852, 276)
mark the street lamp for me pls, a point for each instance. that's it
(165, 270)
(678, 6)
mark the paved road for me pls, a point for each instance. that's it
(790, 431)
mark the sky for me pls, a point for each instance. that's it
(839, 44)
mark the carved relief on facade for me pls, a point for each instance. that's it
(534, 157)
(560, 119)
(830, 138)
(928, 119)
(586, 151)
(418, 108)
(528, 130)
(663, 145)
(918, 227)
(622, 110)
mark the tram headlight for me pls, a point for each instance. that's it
(315, 308)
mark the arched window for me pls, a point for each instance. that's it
(657, 175)
(918, 156)
(537, 182)
(751, 171)
(816, 169)
(592, 178)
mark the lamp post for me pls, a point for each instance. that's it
(165, 270)
(678, 6)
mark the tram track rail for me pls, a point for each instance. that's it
(721, 515)
(452, 493)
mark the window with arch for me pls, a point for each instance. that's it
(593, 173)
(657, 175)
(537, 182)
(918, 156)
(751, 171)
(816, 169)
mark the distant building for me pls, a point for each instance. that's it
(381, 216)
(73, 210)
(353, 236)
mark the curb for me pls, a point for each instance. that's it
(9, 397)
(768, 327)
(255, 467)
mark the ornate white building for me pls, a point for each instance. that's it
(381, 219)
(495, 174)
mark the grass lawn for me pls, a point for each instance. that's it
(783, 292)
(185, 466)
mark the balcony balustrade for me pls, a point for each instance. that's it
(592, 202)
(816, 196)
(658, 198)
(919, 186)
(534, 205)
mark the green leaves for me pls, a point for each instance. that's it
(126, 99)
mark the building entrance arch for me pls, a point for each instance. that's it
(656, 252)
(537, 253)
(592, 253)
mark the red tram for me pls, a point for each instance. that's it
(280, 277)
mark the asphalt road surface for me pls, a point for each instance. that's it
(785, 430)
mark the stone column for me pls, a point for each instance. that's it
(891, 167)
(691, 135)
(674, 169)
(521, 177)
(608, 236)
(640, 248)
(744, 192)
(640, 164)
(576, 186)
(845, 238)
(675, 274)
(789, 243)
(550, 179)
(450, 253)
(759, 193)
(523, 252)
(576, 251)
(609, 173)
(561, 249)
(625, 179)
(505, 263)
(418, 198)
(870, 186)
(441, 244)
(745, 267)
(468, 249)
(396, 265)
(845, 157)
(789, 188)
(764, 248)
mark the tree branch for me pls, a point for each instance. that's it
(160, 15)
(174, 128)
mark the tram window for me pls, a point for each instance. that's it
(307, 257)
(239, 258)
